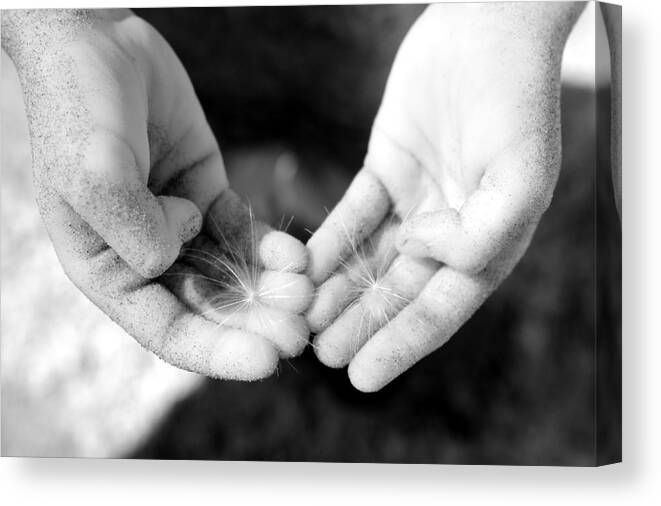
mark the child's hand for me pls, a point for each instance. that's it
(465, 149)
(127, 170)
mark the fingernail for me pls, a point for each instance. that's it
(191, 227)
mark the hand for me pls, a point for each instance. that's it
(465, 151)
(127, 171)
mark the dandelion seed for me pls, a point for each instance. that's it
(239, 294)
(370, 267)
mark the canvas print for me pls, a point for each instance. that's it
(353, 233)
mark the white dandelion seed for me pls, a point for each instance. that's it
(234, 290)
(370, 267)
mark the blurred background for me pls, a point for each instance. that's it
(291, 93)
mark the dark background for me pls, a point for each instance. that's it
(516, 385)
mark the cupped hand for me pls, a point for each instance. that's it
(465, 153)
(127, 171)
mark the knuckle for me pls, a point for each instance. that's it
(329, 354)
(104, 274)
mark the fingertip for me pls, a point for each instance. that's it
(328, 354)
(363, 379)
(417, 228)
(292, 343)
(317, 269)
(406, 242)
(243, 356)
(331, 298)
(190, 228)
(287, 332)
(401, 236)
(183, 217)
(443, 237)
(184, 222)
(379, 362)
(280, 251)
(339, 343)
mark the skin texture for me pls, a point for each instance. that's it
(465, 150)
(126, 171)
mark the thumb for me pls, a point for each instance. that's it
(513, 194)
(146, 231)
(443, 236)
(182, 216)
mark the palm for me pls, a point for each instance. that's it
(453, 112)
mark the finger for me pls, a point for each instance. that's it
(147, 310)
(443, 306)
(147, 232)
(332, 297)
(231, 223)
(336, 346)
(420, 328)
(356, 216)
(513, 193)
(287, 331)
(285, 291)
(374, 308)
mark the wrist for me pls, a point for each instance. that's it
(26, 34)
(542, 26)
(30, 34)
